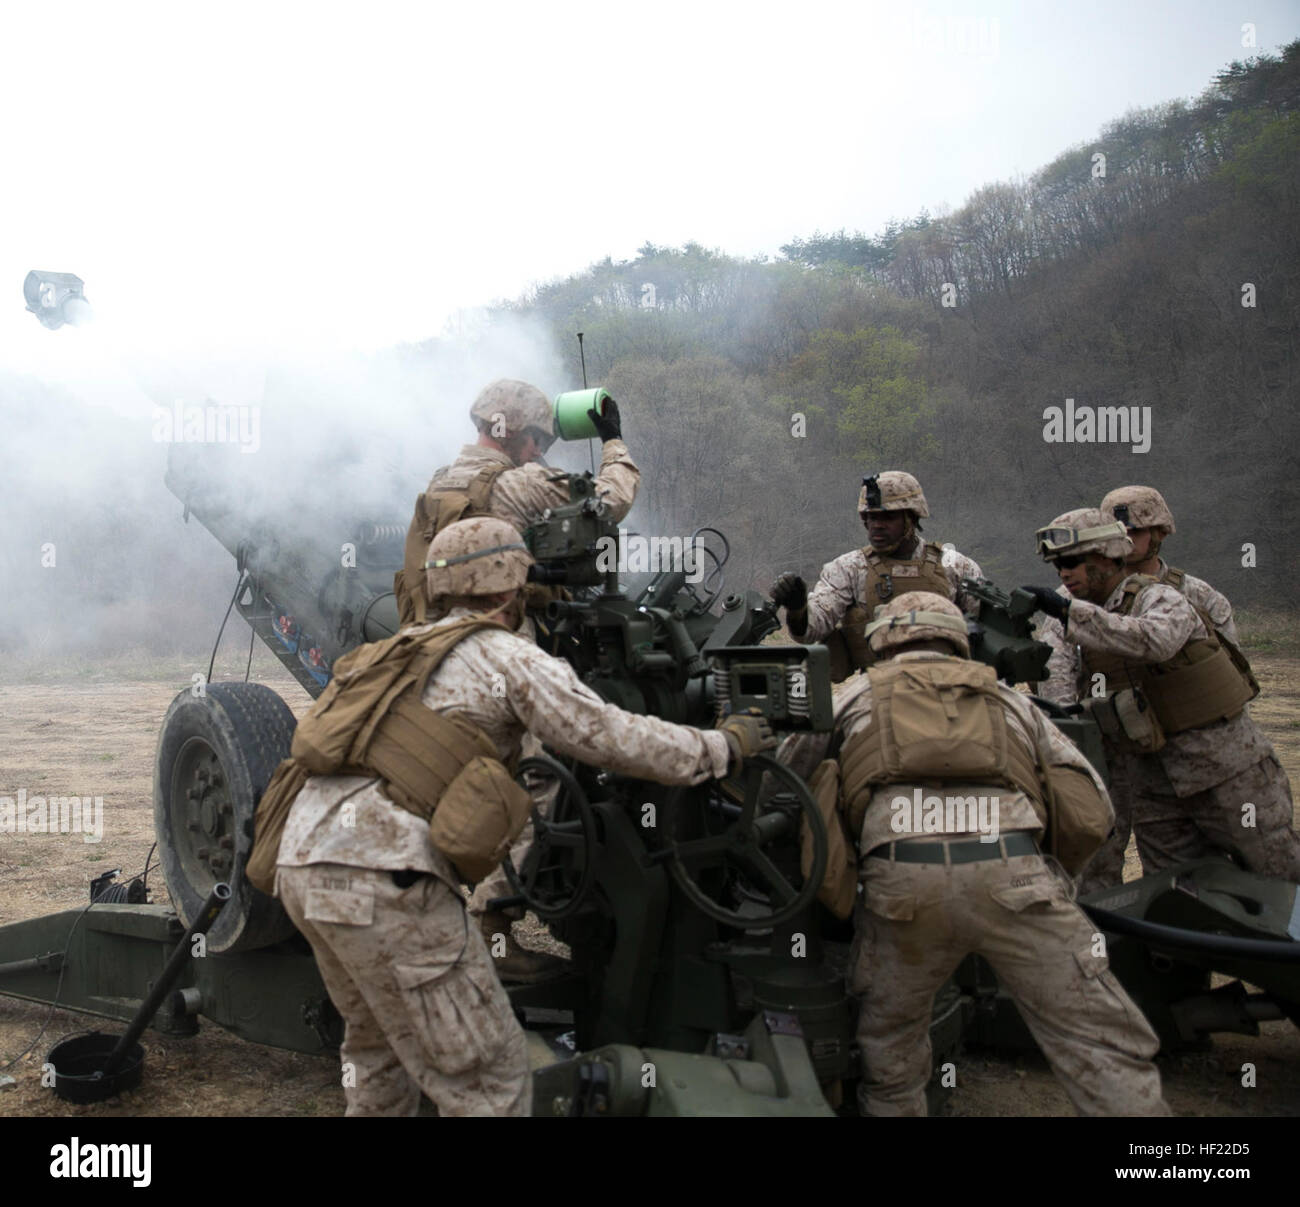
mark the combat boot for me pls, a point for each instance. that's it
(513, 963)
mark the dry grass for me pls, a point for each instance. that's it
(1269, 632)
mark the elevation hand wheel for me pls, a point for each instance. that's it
(559, 867)
(773, 800)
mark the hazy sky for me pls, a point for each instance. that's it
(287, 175)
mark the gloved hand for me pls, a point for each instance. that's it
(748, 733)
(1050, 602)
(790, 591)
(608, 426)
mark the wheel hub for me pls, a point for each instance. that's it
(201, 796)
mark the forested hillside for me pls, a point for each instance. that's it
(1156, 266)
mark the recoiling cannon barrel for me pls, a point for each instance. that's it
(310, 589)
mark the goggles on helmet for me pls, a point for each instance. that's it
(1053, 540)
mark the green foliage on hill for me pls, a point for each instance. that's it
(1157, 266)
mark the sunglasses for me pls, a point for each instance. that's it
(1068, 563)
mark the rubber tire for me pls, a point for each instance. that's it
(249, 728)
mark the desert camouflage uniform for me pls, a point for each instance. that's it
(414, 981)
(522, 492)
(519, 496)
(844, 582)
(914, 923)
(1107, 866)
(1201, 595)
(1185, 800)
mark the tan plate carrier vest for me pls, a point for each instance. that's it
(848, 648)
(370, 721)
(434, 510)
(937, 721)
(1208, 680)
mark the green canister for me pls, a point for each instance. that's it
(571, 419)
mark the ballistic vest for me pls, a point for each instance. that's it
(1206, 681)
(933, 721)
(940, 720)
(886, 577)
(1173, 577)
(434, 510)
(370, 721)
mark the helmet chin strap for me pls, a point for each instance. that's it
(1152, 553)
(909, 531)
(512, 614)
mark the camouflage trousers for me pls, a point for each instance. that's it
(917, 922)
(1178, 829)
(423, 1008)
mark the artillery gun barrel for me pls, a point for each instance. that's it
(312, 589)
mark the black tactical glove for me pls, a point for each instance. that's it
(790, 591)
(748, 733)
(1050, 602)
(608, 426)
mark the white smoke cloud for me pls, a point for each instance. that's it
(93, 550)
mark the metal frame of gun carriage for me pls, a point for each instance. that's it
(705, 977)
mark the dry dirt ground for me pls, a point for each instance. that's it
(91, 731)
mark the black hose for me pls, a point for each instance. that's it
(243, 574)
(1159, 935)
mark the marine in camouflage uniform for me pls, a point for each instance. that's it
(380, 905)
(1214, 785)
(891, 506)
(1145, 514)
(931, 897)
(1148, 520)
(501, 476)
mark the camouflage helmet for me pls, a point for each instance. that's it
(892, 490)
(481, 556)
(1146, 508)
(508, 407)
(1083, 530)
(918, 616)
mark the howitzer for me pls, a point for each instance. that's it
(679, 905)
(309, 598)
(698, 950)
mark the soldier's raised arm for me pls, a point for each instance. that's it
(499, 475)
(1160, 624)
(532, 489)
